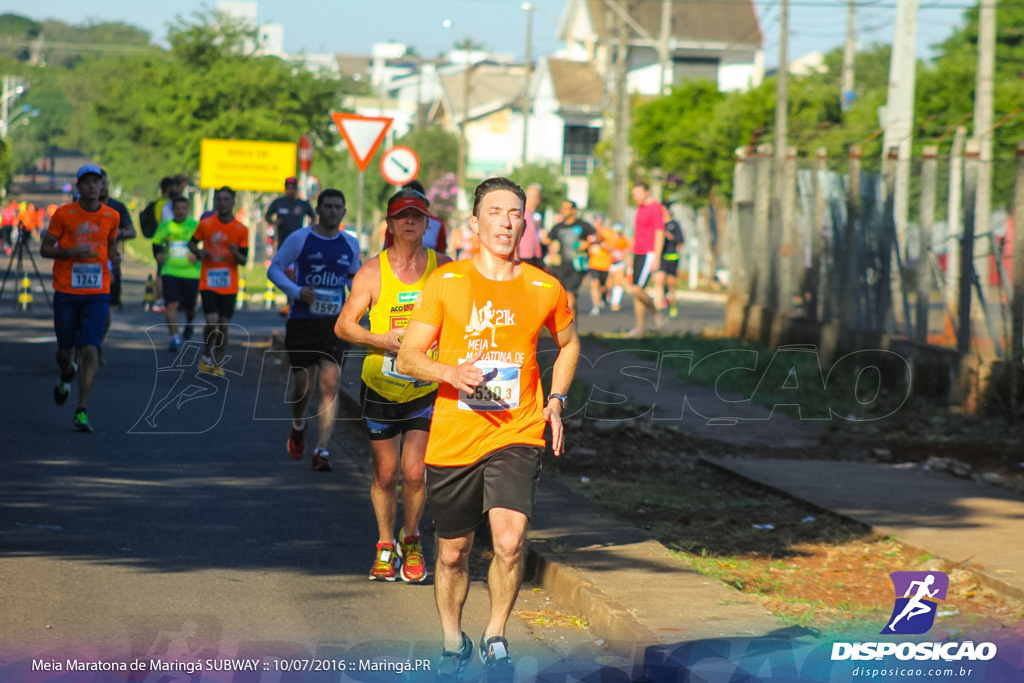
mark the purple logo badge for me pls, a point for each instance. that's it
(917, 596)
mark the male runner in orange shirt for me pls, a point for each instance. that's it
(487, 435)
(225, 247)
(81, 237)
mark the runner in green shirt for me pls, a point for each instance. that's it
(179, 269)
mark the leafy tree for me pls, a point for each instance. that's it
(599, 190)
(670, 133)
(67, 44)
(117, 33)
(30, 142)
(6, 163)
(437, 148)
(18, 26)
(339, 170)
(945, 92)
(548, 177)
(15, 32)
(145, 116)
(211, 38)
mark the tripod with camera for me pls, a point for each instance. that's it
(22, 247)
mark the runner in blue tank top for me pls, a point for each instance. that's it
(325, 259)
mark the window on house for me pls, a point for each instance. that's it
(580, 140)
(694, 68)
(578, 150)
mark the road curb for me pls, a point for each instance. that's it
(607, 619)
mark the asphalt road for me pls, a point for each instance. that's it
(180, 528)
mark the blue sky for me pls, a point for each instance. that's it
(351, 26)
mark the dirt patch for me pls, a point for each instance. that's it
(810, 567)
(984, 449)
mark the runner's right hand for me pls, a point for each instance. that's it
(82, 251)
(392, 340)
(467, 377)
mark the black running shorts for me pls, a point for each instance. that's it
(385, 419)
(570, 278)
(223, 305)
(643, 268)
(181, 290)
(311, 340)
(670, 266)
(458, 498)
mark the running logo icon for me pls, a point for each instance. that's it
(917, 596)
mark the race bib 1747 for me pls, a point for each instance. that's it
(86, 276)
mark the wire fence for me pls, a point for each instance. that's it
(899, 251)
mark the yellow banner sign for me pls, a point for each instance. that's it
(246, 165)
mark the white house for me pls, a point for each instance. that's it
(494, 130)
(716, 40)
(565, 124)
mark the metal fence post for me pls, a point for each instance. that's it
(742, 223)
(954, 219)
(762, 257)
(817, 225)
(848, 287)
(1018, 261)
(971, 154)
(786, 264)
(923, 270)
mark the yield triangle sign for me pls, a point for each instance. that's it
(363, 134)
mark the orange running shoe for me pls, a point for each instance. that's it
(385, 567)
(297, 443)
(414, 567)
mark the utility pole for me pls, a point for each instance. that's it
(419, 94)
(664, 54)
(620, 151)
(846, 95)
(983, 98)
(4, 108)
(527, 102)
(465, 123)
(782, 92)
(899, 124)
(780, 233)
(37, 49)
(12, 87)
